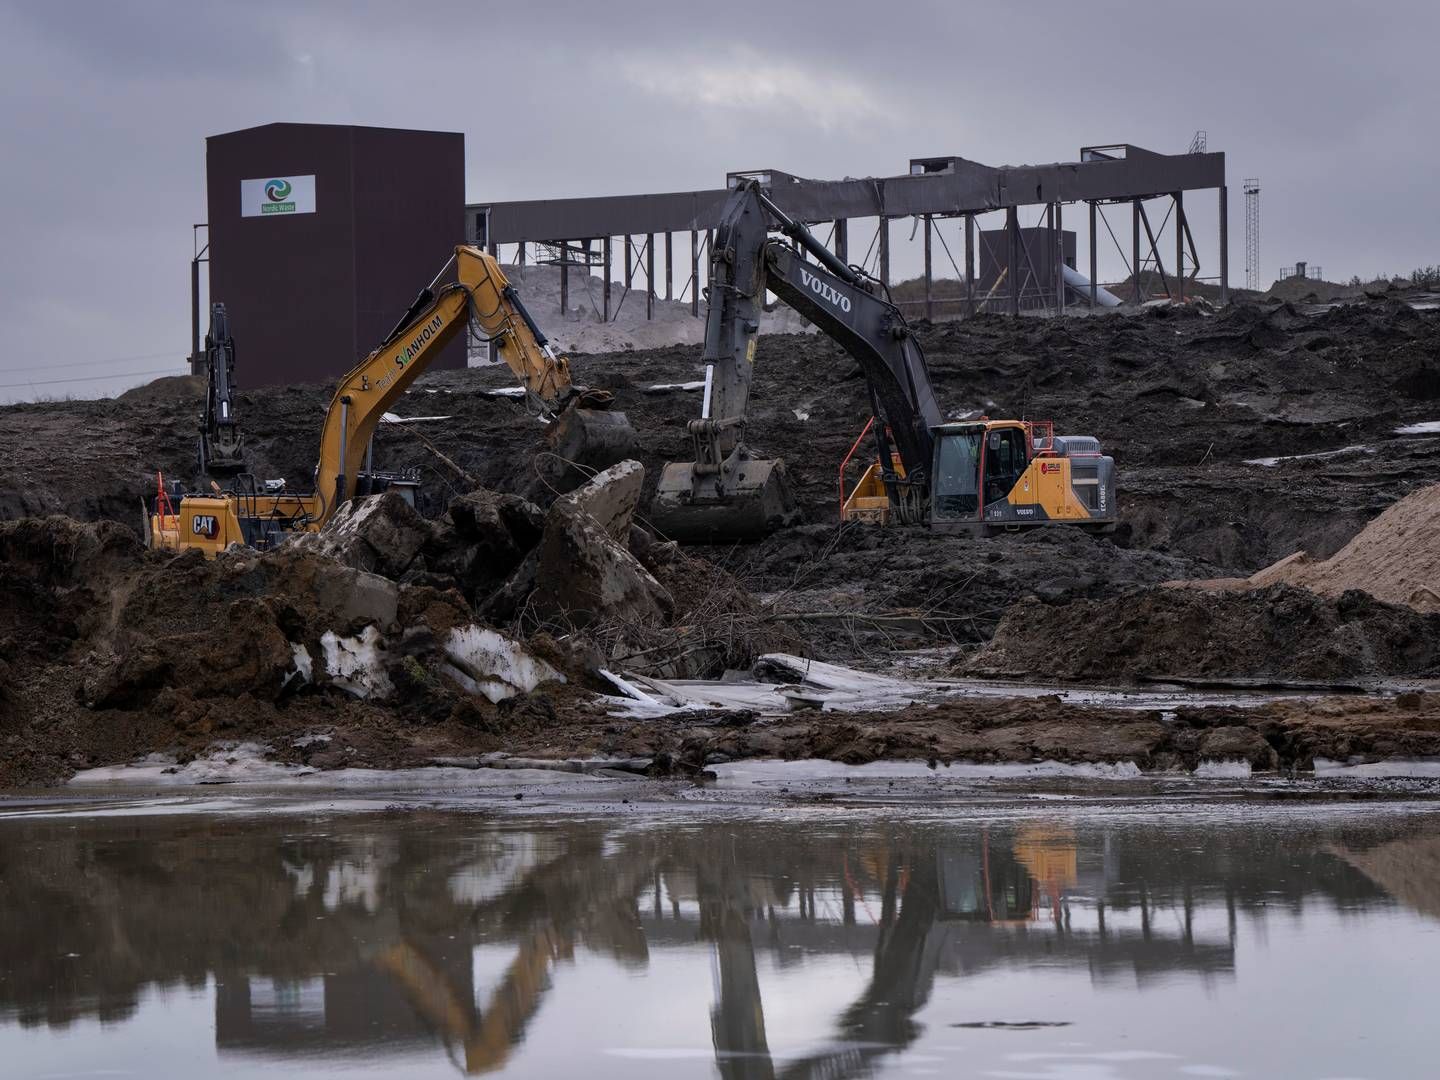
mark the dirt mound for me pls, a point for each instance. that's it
(1396, 558)
(363, 644)
(186, 388)
(1279, 633)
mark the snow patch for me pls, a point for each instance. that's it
(357, 663)
(485, 662)
(765, 771)
(1271, 462)
(1388, 768)
(1231, 769)
(1428, 427)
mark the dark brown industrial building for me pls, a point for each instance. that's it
(320, 237)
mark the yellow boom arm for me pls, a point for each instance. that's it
(482, 292)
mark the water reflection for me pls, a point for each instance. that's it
(360, 938)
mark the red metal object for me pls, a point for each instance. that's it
(855, 446)
(163, 506)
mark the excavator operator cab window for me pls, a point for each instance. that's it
(957, 475)
(1004, 462)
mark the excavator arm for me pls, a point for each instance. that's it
(481, 293)
(726, 493)
(222, 447)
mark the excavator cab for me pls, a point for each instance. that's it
(993, 475)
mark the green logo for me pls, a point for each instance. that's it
(277, 191)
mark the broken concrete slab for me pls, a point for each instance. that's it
(381, 534)
(610, 497)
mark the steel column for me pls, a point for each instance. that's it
(669, 267)
(649, 275)
(564, 276)
(195, 368)
(1012, 256)
(605, 254)
(1180, 247)
(929, 291)
(970, 264)
(842, 244)
(1224, 247)
(1058, 239)
(1094, 260)
(521, 256)
(694, 272)
(1135, 247)
(629, 266)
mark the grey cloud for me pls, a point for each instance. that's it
(106, 107)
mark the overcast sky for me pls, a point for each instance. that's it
(106, 107)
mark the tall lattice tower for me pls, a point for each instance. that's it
(1252, 233)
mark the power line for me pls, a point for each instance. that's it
(88, 378)
(86, 363)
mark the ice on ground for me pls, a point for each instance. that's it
(768, 770)
(357, 663)
(1423, 767)
(1271, 462)
(488, 663)
(1224, 770)
(1427, 427)
(246, 763)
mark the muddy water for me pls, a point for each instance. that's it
(1188, 941)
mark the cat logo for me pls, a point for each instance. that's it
(206, 525)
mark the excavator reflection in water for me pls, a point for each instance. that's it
(932, 905)
(380, 937)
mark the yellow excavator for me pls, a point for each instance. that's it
(579, 426)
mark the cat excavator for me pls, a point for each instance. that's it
(579, 427)
(979, 475)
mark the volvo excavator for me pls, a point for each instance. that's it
(977, 475)
(579, 427)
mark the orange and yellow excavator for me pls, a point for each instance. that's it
(579, 428)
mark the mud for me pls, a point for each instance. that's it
(1284, 736)
(110, 652)
(1279, 633)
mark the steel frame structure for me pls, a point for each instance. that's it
(934, 189)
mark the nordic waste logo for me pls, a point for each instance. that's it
(278, 194)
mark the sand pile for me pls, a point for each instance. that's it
(1396, 558)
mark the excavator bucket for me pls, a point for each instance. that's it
(757, 501)
(594, 438)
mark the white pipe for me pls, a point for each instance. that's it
(709, 382)
(1081, 284)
